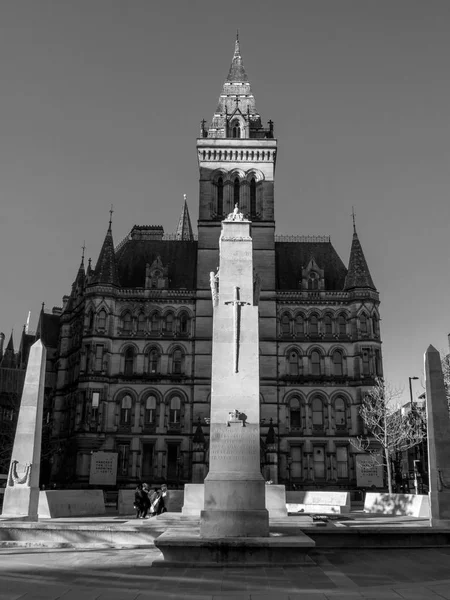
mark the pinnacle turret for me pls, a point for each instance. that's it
(358, 275)
(106, 268)
(184, 229)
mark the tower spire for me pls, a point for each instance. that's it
(184, 229)
(353, 217)
(106, 268)
(358, 275)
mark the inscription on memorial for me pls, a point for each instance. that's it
(233, 444)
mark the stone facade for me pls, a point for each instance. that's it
(134, 357)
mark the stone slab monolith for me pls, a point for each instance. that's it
(22, 487)
(234, 487)
(438, 424)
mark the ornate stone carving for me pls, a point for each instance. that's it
(235, 215)
(214, 283)
(14, 478)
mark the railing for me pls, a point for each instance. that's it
(303, 238)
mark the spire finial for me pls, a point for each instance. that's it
(111, 210)
(185, 197)
(237, 49)
(83, 248)
(353, 217)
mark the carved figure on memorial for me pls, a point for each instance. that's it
(214, 283)
(14, 478)
(235, 416)
(235, 215)
(256, 288)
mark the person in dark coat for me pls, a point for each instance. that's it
(139, 500)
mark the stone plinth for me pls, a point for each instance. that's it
(71, 503)
(185, 548)
(397, 504)
(438, 425)
(333, 502)
(234, 487)
(22, 486)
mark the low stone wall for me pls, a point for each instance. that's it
(173, 501)
(318, 502)
(194, 500)
(70, 503)
(397, 504)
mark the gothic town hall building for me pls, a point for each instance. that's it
(133, 368)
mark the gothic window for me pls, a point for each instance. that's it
(338, 369)
(294, 413)
(376, 326)
(101, 320)
(339, 413)
(153, 361)
(236, 130)
(177, 362)
(319, 462)
(342, 325)
(294, 367)
(366, 361)
(315, 363)
(363, 324)
(253, 197)
(317, 413)
(150, 410)
(342, 462)
(299, 325)
(220, 196)
(175, 409)
(378, 364)
(328, 324)
(99, 357)
(285, 324)
(236, 190)
(126, 323)
(313, 325)
(184, 324)
(141, 323)
(129, 362)
(313, 281)
(125, 411)
(168, 323)
(154, 323)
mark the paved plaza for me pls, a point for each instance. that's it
(127, 574)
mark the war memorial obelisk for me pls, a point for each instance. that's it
(234, 487)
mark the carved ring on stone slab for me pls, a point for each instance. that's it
(14, 478)
(441, 483)
(235, 416)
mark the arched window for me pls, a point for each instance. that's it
(220, 196)
(184, 324)
(328, 324)
(141, 322)
(365, 361)
(154, 323)
(313, 281)
(153, 361)
(175, 409)
(295, 413)
(126, 323)
(177, 362)
(315, 363)
(236, 190)
(101, 320)
(375, 325)
(252, 197)
(339, 413)
(91, 319)
(150, 411)
(236, 130)
(125, 410)
(342, 325)
(129, 362)
(294, 368)
(313, 325)
(299, 325)
(363, 324)
(338, 369)
(285, 324)
(169, 323)
(317, 413)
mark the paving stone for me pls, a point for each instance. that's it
(417, 593)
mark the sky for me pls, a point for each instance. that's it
(101, 103)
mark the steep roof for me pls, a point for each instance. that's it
(358, 275)
(184, 229)
(292, 257)
(106, 268)
(180, 257)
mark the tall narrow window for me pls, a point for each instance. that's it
(236, 130)
(169, 323)
(342, 325)
(236, 190)
(91, 319)
(141, 322)
(378, 364)
(293, 363)
(365, 361)
(150, 411)
(220, 196)
(153, 361)
(363, 324)
(315, 363)
(129, 362)
(313, 281)
(126, 323)
(313, 325)
(253, 197)
(319, 462)
(123, 458)
(285, 324)
(184, 323)
(95, 405)
(317, 413)
(342, 462)
(294, 414)
(328, 323)
(339, 413)
(99, 357)
(154, 323)
(337, 363)
(177, 362)
(101, 320)
(299, 325)
(296, 462)
(175, 409)
(125, 410)
(376, 326)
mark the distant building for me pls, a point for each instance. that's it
(133, 363)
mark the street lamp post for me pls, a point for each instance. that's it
(416, 482)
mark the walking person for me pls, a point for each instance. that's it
(139, 500)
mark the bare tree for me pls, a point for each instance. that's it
(388, 427)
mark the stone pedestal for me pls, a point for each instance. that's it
(438, 440)
(22, 487)
(234, 487)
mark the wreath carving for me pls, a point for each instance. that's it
(14, 478)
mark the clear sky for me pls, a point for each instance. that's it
(101, 102)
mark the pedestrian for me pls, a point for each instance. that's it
(139, 500)
(146, 500)
(155, 500)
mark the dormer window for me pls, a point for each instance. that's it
(236, 129)
(313, 281)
